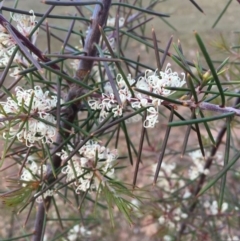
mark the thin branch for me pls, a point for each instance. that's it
(204, 106)
(70, 56)
(213, 107)
(99, 18)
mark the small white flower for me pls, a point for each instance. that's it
(142, 84)
(184, 215)
(198, 168)
(84, 185)
(224, 207)
(7, 46)
(161, 220)
(136, 202)
(117, 111)
(76, 231)
(193, 173)
(25, 26)
(214, 209)
(108, 101)
(15, 72)
(187, 194)
(232, 238)
(152, 118)
(167, 238)
(40, 198)
(85, 232)
(37, 104)
(170, 224)
(81, 167)
(94, 104)
(206, 204)
(151, 82)
(32, 170)
(195, 155)
(144, 102)
(171, 218)
(206, 172)
(168, 167)
(136, 104)
(157, 83)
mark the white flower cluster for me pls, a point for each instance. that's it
(155, 83)
(151, 82)
(171, 217)
(169, 182)
(35, 104)
(199, 163)
(76, 231)
(82, 166)
(213, 209)
(7, 46)
(32, 172)
(108, 103)
(136, 205)
(49, 193)
(25, 26)
(32, 169)
(167, 238)
(232, 238)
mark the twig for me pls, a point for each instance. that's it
(207, 106)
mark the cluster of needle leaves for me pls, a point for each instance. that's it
(83, 35)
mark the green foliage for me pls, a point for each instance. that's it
(103, 114)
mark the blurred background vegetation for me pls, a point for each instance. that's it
(184, 19)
